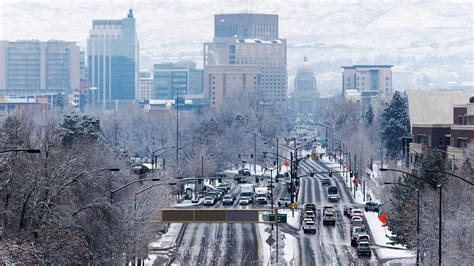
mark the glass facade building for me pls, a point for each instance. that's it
(112, 56)
(180, 78)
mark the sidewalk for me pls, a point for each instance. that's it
(383, 248)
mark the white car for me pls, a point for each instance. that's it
(209, 201)
(309, 226)
(244, 201)
(357, 212)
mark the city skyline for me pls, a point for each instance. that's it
(352, 33)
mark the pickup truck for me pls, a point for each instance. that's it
(309, 226)
(246, 192)
(329, 217)
(261, 195)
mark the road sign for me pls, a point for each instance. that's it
(212, 215)
(282, 218)
(293, 205)
(270, 241)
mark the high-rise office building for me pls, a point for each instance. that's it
(230, 81)
(250, 39)
(112, 59)
(145, 88)
(369, 81)
(32, 67)
(305, 96)
(181, 78)
(246, 26)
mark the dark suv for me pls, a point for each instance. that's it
(372, 206)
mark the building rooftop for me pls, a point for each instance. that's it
(257, 41)
(357, 66)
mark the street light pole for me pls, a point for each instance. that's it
(440, 205)
(145, 189)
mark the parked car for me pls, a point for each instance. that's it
(363, 248)
(284, 201)
(309, 226)
(333, 198)
(372, 206)
(209, 201)
(228, 199)
(325, 181)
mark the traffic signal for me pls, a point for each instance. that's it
(330, 173)
(297, 182)
(351, 173)
(199, 181)
(311, 173)
(220, 180)
(240, 156)
(256, 179)
(251, 155)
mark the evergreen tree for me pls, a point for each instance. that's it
(369, 116)
(395, 124)
(74, 128)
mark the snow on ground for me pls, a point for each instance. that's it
(380, 233)
(168, 239)
(265, 249)
(291, 249)
(292, 221)
(188, 203)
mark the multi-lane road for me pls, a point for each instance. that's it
(239, 244)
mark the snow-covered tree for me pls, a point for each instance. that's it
(395, 124)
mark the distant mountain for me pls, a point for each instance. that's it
(430, 43)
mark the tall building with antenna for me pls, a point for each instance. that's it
(112, 57)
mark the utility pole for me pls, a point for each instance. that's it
(350, 167)
(177, 132)
(255, 152)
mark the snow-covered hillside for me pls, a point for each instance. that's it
(435, 37)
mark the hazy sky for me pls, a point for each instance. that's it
(421, 38)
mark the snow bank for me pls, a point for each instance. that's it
(168, 239)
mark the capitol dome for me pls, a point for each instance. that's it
(305, 69)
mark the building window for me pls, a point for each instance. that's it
(348, 79)
(386, 78)
(363, 78)
(460, 120)
(441, 141)
(462, 142)
(357, 78)
(422, 139)
(363, 83)
(387, 84)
